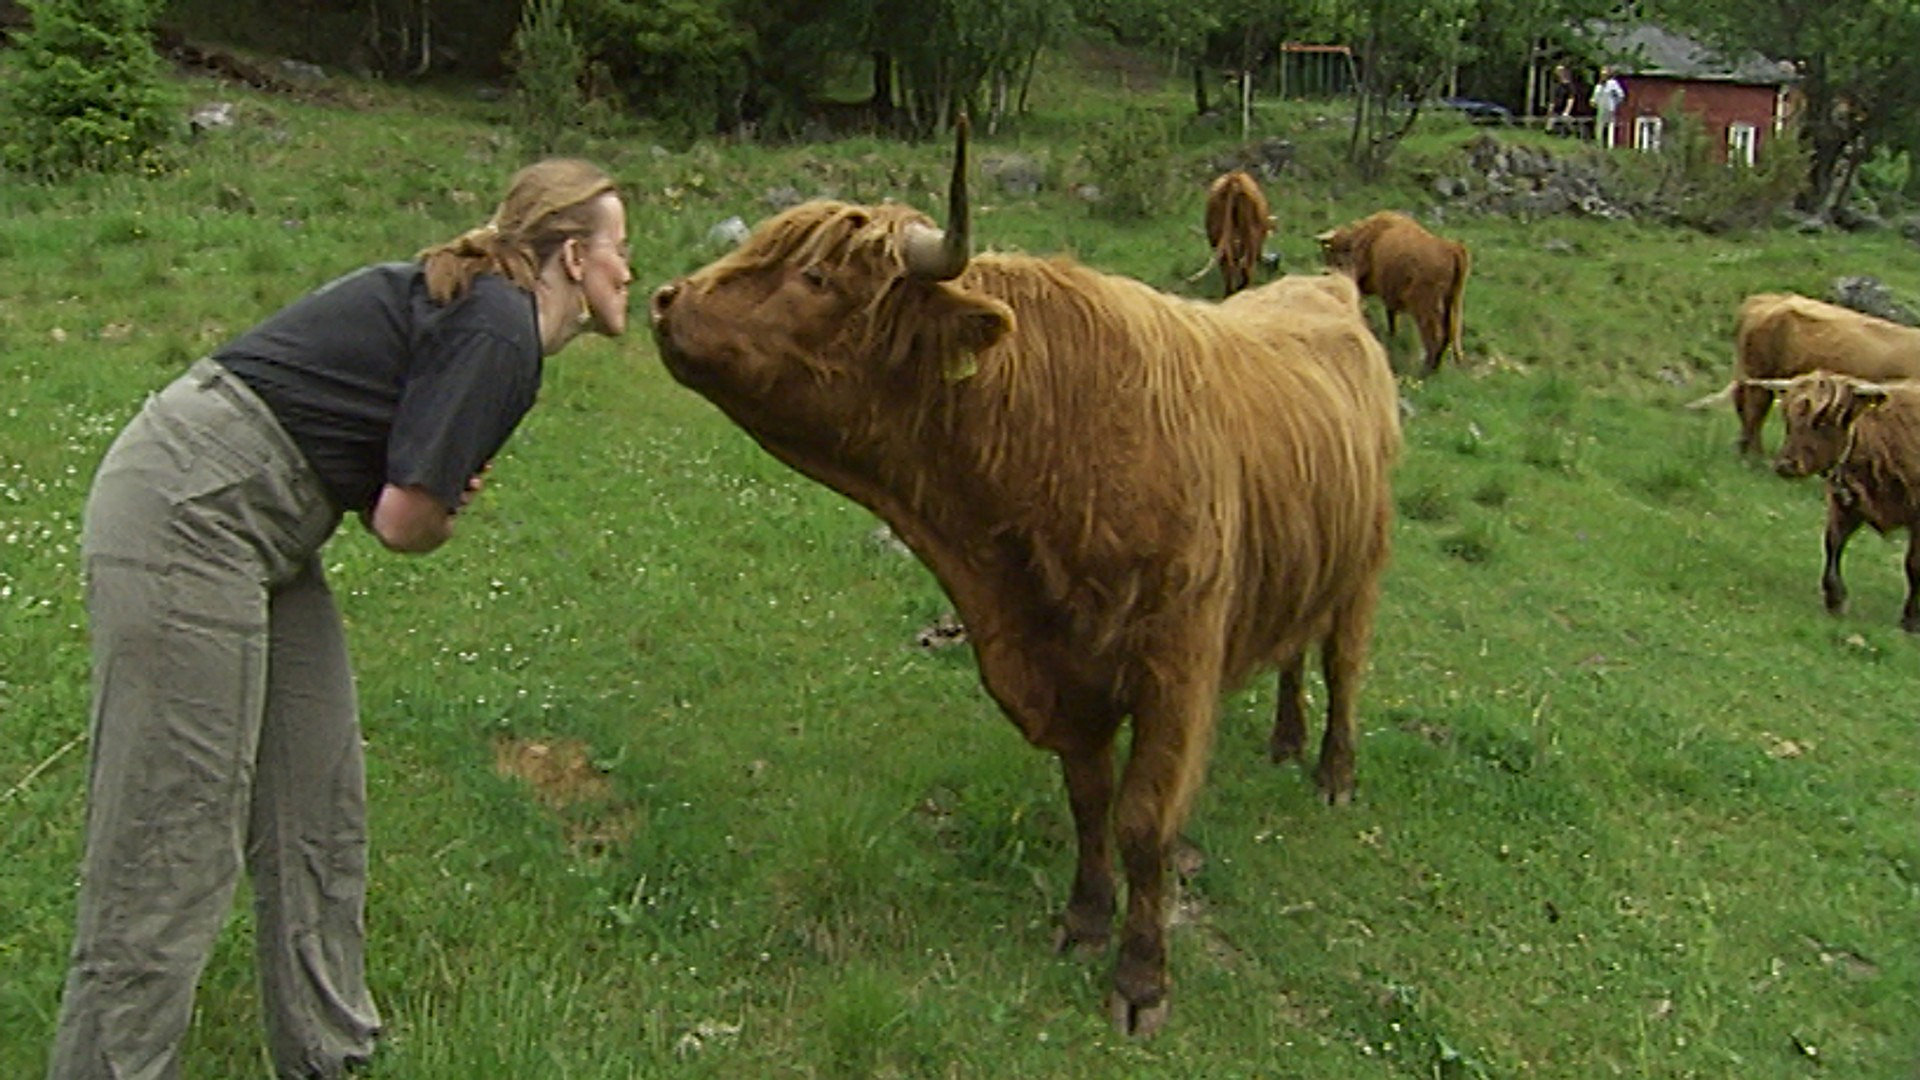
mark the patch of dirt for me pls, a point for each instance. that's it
(565, 780)
(942, 632)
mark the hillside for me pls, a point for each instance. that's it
(1630, 803)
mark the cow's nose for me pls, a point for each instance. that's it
(662, 297)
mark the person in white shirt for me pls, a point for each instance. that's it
(1607, 96)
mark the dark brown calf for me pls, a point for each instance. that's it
(1865, 439)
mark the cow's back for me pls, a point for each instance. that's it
(1185, 454)
(1781, 335)
(1322, 394)
(1412, 266)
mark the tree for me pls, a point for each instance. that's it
(87, 91)
(1180, 27)
(684, 63)
(548, 65)
(1406, 49)
(944, 52)
(1856, 63)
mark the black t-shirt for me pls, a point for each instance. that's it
(380, 385)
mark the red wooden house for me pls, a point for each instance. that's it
(1743, 103)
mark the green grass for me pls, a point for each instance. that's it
(1630, 804)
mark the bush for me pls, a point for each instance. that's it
(86, 90)
(680, 63)
(547, 67)
(1128, 161)
(1689, 182)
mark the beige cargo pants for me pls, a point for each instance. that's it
(225, 733)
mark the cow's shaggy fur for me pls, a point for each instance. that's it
(1132, 499)
(1866, 441)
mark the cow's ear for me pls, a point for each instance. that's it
(968, 320)
(983, 325)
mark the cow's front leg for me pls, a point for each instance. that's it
(1172, 730)
(1910, 615)
(1842, 522)
(1087, 922)
(1289, 738)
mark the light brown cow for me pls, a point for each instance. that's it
(1392, 257)
(1132, 499)
(1781, 335)
(1865, 439)
(1238, 221)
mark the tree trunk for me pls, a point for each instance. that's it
(882, 99)
(1200, 85)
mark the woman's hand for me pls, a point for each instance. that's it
(474, 484)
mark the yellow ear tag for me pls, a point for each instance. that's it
(962, 367)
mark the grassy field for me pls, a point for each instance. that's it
(662, 784)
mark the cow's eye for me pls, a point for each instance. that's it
(814, 276)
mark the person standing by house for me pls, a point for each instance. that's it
(1607, 96)
(225, 729)
(1560, 101)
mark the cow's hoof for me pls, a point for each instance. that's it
(1336, 790)
(1288, 747)
(1136, 1019)
(1911, 624)
(1083, 944)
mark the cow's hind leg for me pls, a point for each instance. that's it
(1910, 614)
(1087, 922)
(1343, 662)
(1433, 338)
(1289, 739)
(1751, 404)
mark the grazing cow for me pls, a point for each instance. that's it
(1238, 222)
(1410, 270)
(1781, 335)
(1132, 499)
(1865, 439)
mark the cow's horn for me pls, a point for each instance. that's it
(1869, 391)
(1323, 237)
(1775, 385)
(938, 255)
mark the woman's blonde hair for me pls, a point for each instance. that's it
(547, 204)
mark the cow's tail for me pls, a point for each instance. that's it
(1456, 294)
(1723, 394)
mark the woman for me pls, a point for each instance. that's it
(225, 729)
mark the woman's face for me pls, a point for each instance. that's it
(605, 269)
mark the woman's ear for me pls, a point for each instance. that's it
(571, 260)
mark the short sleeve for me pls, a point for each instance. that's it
(457, 410)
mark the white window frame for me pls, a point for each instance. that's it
(1742, 137)
(1646, 133)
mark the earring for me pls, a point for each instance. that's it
(585, 318)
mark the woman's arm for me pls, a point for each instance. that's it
(408, 519)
